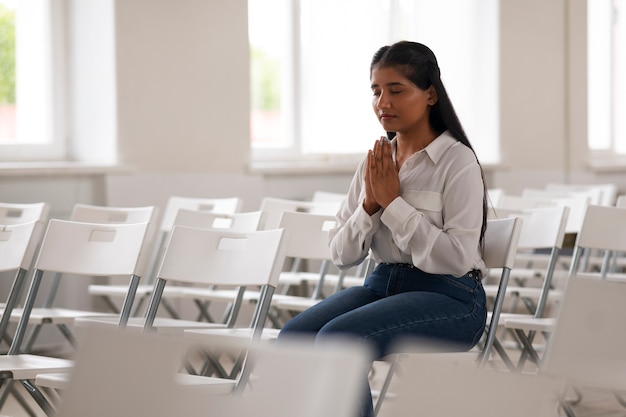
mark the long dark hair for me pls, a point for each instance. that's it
(419, 65)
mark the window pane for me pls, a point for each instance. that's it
(619, 72)
(325, 99)
(7, 71)
(599, 73)
(269, 46)
(337, 115)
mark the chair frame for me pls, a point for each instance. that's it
(80, 249)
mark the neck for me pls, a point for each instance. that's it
(409, 144)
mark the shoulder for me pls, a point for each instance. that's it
(448, 150)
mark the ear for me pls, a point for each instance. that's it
(432, 96)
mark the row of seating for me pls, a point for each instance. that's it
(100, 244)
(534, 221)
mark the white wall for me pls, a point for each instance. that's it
(181, 77)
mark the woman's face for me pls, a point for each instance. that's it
(399, 104)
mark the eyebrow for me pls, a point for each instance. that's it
(391, 84)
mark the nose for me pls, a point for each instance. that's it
(382, 101)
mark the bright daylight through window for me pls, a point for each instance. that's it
(606, 33)
(29, 126)
(310, 70)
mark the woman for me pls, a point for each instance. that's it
(418, 202)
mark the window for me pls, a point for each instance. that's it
(310, 70)
(606, 32)
(30, 114)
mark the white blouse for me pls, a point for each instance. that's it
(435, 222)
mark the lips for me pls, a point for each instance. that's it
(386, 116)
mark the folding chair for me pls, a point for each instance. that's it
(587, 348)
(542, 229)
(500, 248)
(237, 222)
(114, 376)
(425, 382)
(226, 205)
(308, 241)
(62, 318)
(18, 244)
(78, 250)
(603, 229)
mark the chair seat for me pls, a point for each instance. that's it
(546, 324)
(60, 381)
(53, 315)
(225, 337)
(296, 305)
(525, 292)
(118, 290)
(206, 384)
(27, 366)
(161, 324)
(56, 380)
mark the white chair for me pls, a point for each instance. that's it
(542, 229)
(78, 250)
(500, 247)
(308, 241)
(274, 207)
(577, 202)
(587, 349)
(327, 196)
(603, 229)
(113, 376)
(63, 318)
(602, 194)
(227, 205)
(18, 244)
(208, 257)
(236, 222)
(425, 381)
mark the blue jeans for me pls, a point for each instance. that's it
(399, 302)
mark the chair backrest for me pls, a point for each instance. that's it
(588, 345)
(273, 209)
(601, 194)
(621, 201)
(577, 201)
(114, 376)
(18, 244)
(500, 249)
(603, 229)
(11, 213)
(542, 228)
(308, 234)
(331, 383)
(227, 205)
(106, 214)
(221, 257)
(501, 240)
(426, 378)
(329, 197)
(236, 222)
(85, 250)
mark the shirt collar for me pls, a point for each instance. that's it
(439, 146)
